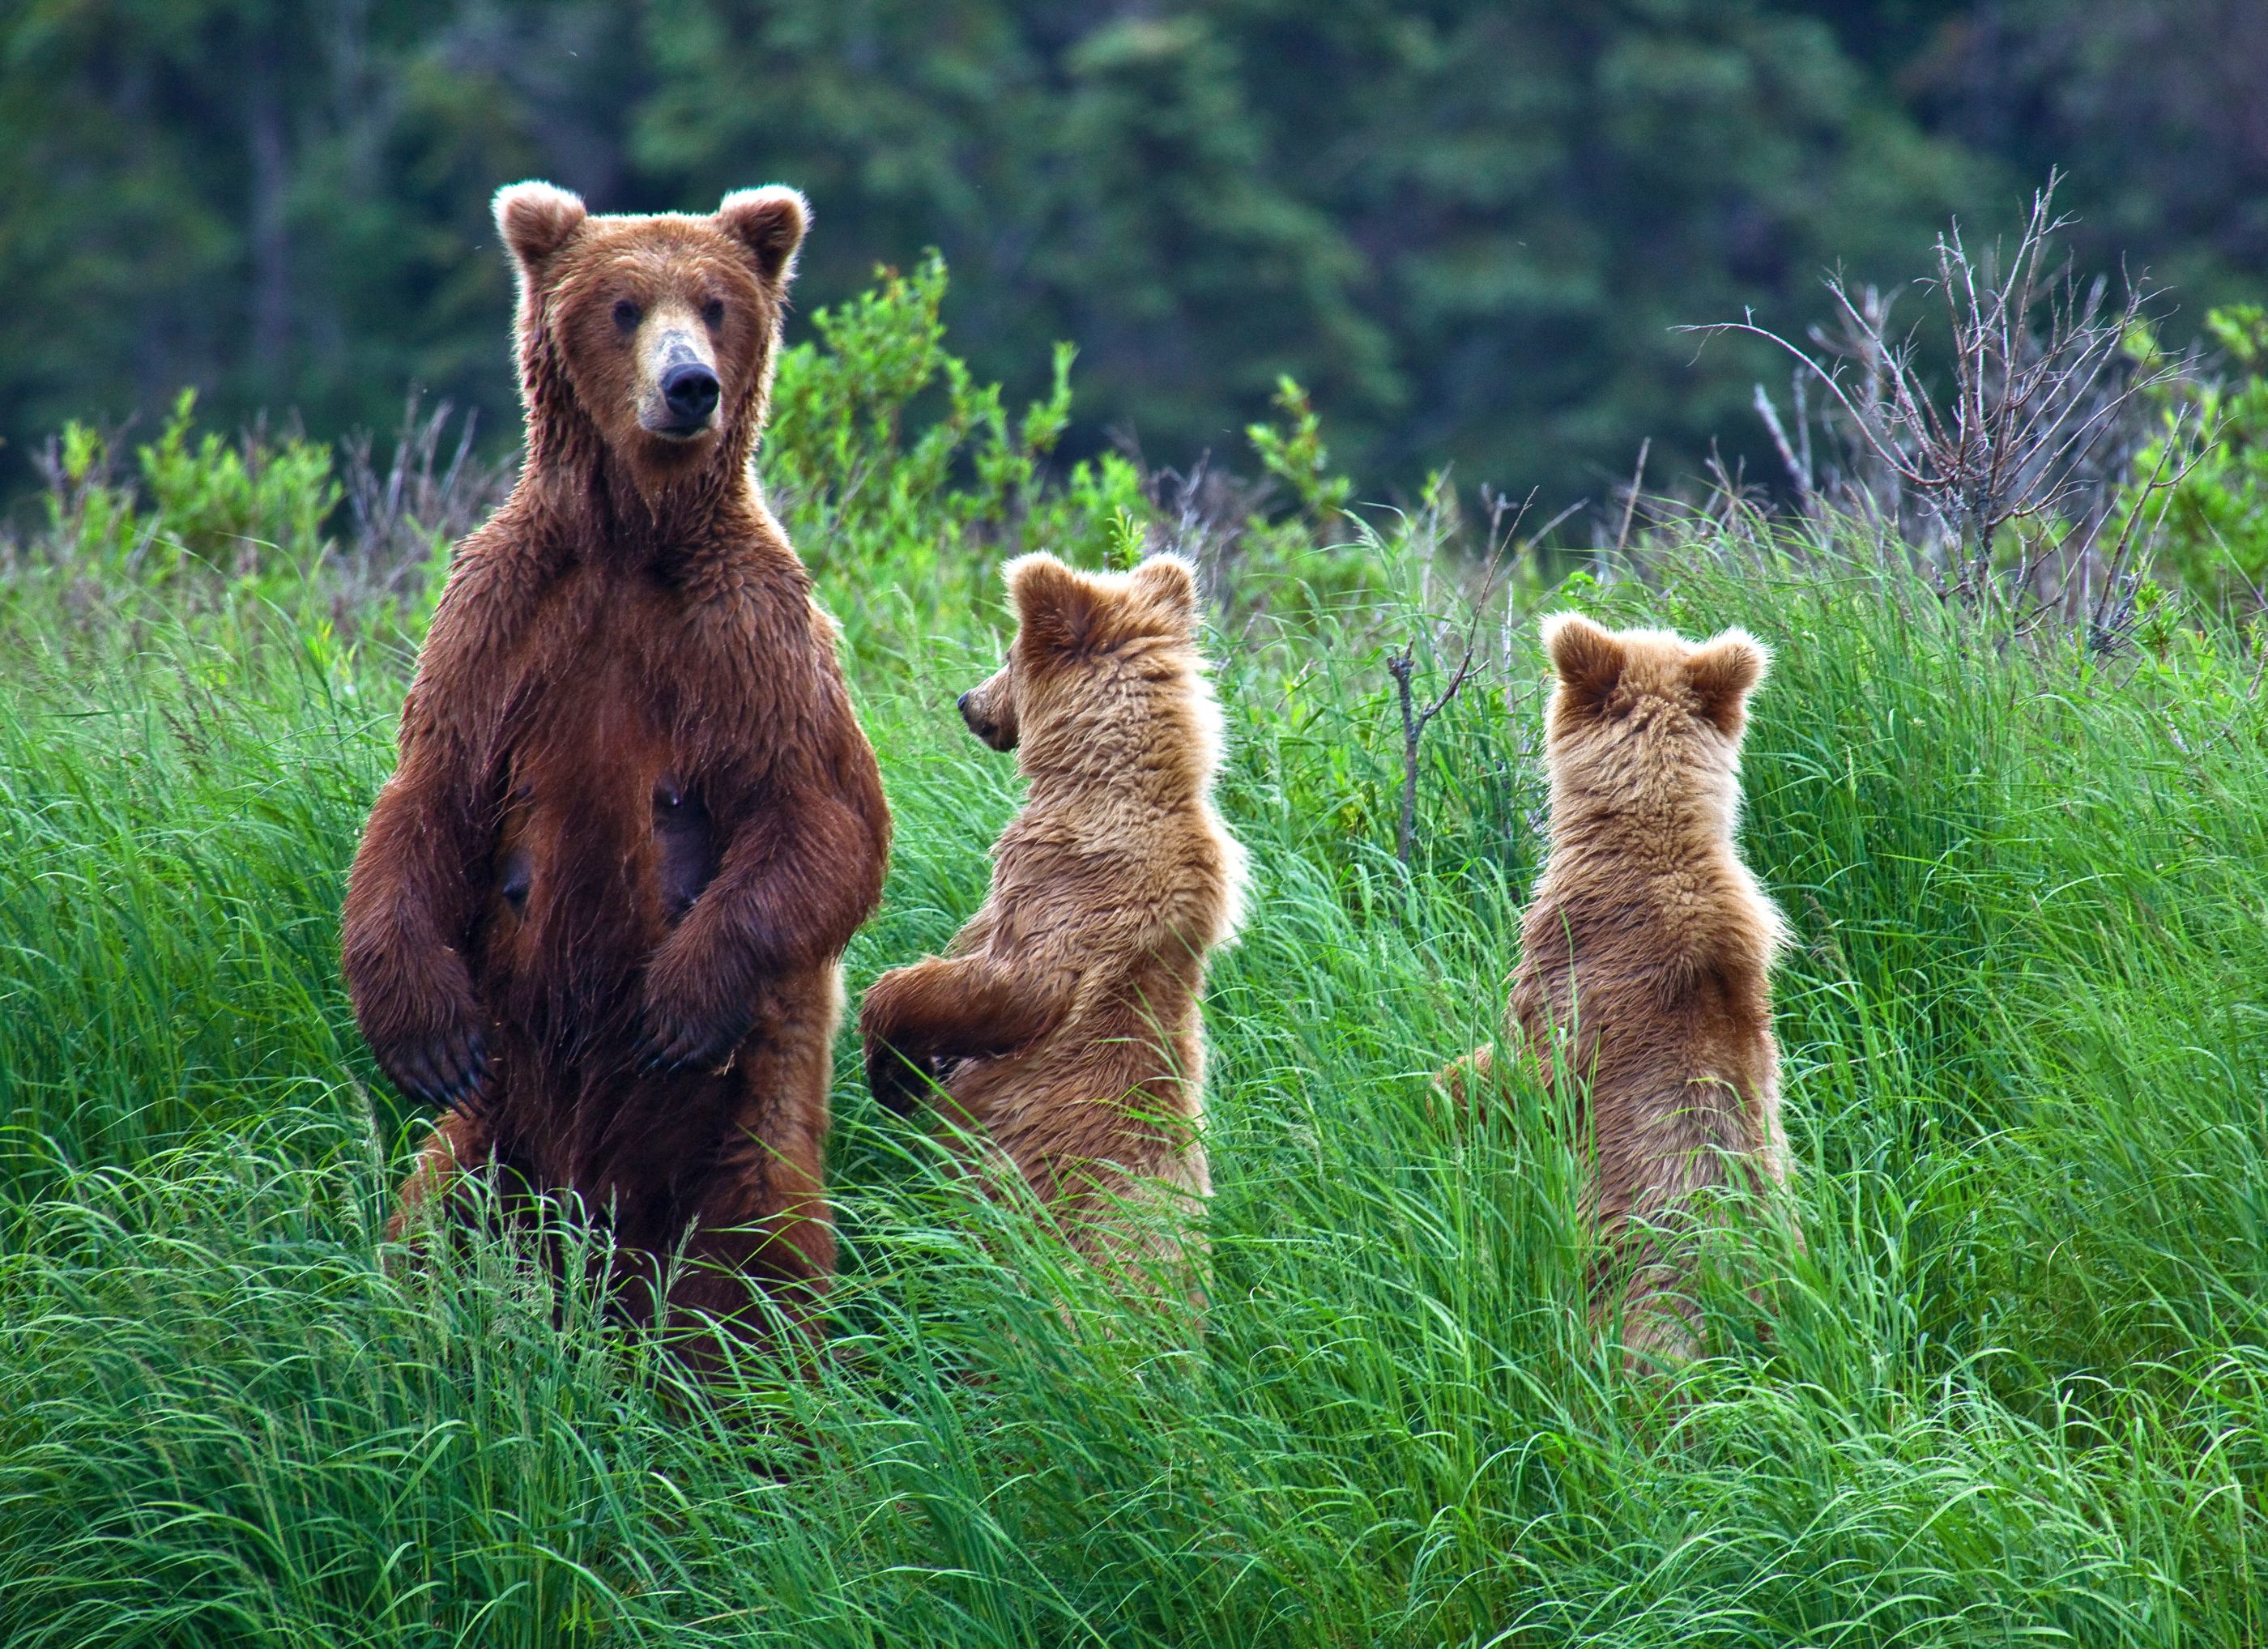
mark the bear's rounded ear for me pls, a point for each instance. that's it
(1169, 585)
(1724, 670)
(1056, 611)
(770, 222)
(1589, 660)
(536, 219)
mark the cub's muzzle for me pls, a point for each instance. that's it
(982, 725)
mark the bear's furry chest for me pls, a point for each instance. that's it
(608, 756)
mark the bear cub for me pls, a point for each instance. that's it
(1648, 949)
(1064, 1021)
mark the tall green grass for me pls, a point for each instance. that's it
(2014, 1388)
(2012, 1385)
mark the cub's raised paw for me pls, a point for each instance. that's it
(1461, 1086)
(898, 1084)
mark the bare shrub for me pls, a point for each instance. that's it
(398, 517)
(1206, 512)
(1402, 665)
(2042, 407)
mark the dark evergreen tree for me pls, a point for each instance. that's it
(1469, 228)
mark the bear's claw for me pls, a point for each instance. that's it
(440, 1070)
(684, 1045)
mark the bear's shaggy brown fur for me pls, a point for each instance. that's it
(1646, 951)
(1064, 1021)
(599, 907)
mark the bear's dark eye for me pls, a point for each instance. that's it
(627, 314)
(713, 312)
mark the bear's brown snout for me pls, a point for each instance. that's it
(682, 387)
(990, 709)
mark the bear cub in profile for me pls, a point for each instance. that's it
(1064, 1020)
(1647, 952)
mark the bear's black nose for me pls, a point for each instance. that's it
(690, 391)
(961, 703)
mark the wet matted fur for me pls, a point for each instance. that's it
(599, 907)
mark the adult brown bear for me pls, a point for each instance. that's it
(597, 909)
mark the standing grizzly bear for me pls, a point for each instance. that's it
(1647, 953)
(599, 907)
(1063, 1019)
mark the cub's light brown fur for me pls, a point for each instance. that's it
(1647, 952)
(1064, 1020)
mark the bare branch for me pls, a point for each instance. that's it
(1630, 505)
(1403, 667)
(2042, 383)
(1825, 376)
(1799, 468)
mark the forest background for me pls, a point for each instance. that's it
(1468, 228)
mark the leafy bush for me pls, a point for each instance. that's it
(233, 506)
(2210, 527)
(862, 485)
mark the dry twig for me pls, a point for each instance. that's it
(1403, 667)
(400, 513)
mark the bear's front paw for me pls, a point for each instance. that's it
(676, 1039)
(898, 1083)
(439, 1066)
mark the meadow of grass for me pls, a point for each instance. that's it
(2015, 1388)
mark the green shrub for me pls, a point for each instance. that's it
(2209, 529)
(864, 481)
(227, 504)
(886, 455)
(238, 507)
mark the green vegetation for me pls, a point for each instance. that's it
(2016, 1389)
(2212, 525)
(1466, 225)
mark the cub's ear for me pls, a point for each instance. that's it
(1169, 585)
(1724, 671)
(1056, 613)
(1588, 660)
(770, 222)
(536, 220)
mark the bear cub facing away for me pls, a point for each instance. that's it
(1648, 949)
(597, 909)
(1063, 1022)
